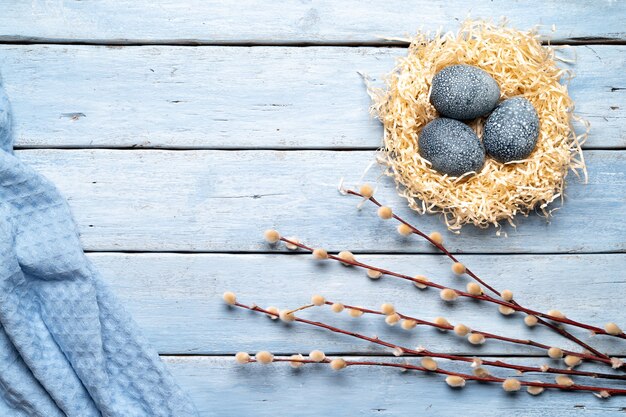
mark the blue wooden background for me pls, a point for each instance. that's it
(180, 130)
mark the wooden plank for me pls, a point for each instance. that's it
(176, 299)
(325, 21)
(223, 200)
(220, 387)
(219, 97)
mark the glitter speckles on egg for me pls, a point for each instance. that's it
(511, 131)
(464, 92)
(451, 147)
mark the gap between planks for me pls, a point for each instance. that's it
(590, 40)
(230, 355)
(239, 149)
(356, 252)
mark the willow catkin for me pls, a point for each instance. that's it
(429, 363)
(296, 361)
(455, 381)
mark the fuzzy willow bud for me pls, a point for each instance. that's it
(556, 313)
(392, 319)
(408, 324)
(404, 229)
(442, 322)
(534, 390)
(429, 363)
(448, 294)
(436, 237)
(455, 381)
(458, 268)
(474, 288)
(320, 254)
(366, 191)
(318, 300)
(317, 355)
(264, 357)
(555, 353)
(271, 236)
(506, 311)
(612, 329)
(275, 312)
(564, 380)
(229, 298)
(507, 295)
(461, 330)
(292, 244)
(338, 364)
(374, 274)
(337, 307)
(571, 360)
(385, 213)
(242, 357)
(418, 284)
(511, 384)
(531, 320)
(346, 256)
(387, 309)
(287, 316)
(476, 338)
(296, 361)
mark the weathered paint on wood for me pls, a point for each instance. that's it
(214, 21)
(222, 388)
(293, 98)
(176, 298)
(222, 201)
(219, 97)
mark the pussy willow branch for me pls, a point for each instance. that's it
(487, 335)
(469, 272)
(483, 297)
(424, 352)
(467, 377)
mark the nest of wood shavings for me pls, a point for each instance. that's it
(522, 67)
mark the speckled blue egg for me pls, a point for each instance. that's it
(464, 92)
(451, 147)
(511, 131)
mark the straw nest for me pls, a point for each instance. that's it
(522, 67)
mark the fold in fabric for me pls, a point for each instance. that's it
(67, 347)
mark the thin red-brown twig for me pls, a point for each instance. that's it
(425, 352)
(467, 377)
(469, 272)
(487, 335)
(483, 297)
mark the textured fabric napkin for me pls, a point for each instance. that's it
(67, 347)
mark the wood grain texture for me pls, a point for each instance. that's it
(176, 298)
(287, 99)
(325, 21)
(221, 201)
(220, 97)
(220, 387)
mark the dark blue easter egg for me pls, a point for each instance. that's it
(511, 131)
(451, 147)
(464, 92)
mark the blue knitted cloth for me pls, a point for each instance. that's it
(67, 348)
